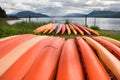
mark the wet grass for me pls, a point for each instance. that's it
(27, 28)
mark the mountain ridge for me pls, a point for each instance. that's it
(75, 15)
(102, 14)
(99, 14)
(26, 14)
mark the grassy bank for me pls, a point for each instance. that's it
(27, 28)
(18, 28)
(110, 33)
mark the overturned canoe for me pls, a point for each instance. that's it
(92, 31)
(53, 28)
(44, 68)
(77, 29)
(42, 28)
(109, 60)
(69, 67)
(48, 29)
(83, 29)
(59, 29)
(11, 43)
(94, 68)
(116, 42)
(73, 30)
(68, 29)
(58, 25)
(16, 71)
(63, 29)
(115, 50)
(11, 57)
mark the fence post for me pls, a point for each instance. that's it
(85, 20)
(94, 21)
(29, 17)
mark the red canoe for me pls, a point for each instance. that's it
(63, 29)
(94, 69)
(44, 68)
(109, 60)
(69, 67)
(12, 56)
(9, 44)
(83, 29)
(111, 47)
(19, 69)
(116, 42)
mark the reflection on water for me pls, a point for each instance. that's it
(102, 23)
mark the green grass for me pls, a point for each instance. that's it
(95, 27)
(27, 28)
(18, 28)
(110, 33)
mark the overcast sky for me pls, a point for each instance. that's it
(59, 7)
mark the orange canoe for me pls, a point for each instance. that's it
(53, 28)
(93, 67)
(6, 38)
(116, 42)
(111, 47)
(19, 69)
(12, 56)
(42, 28)
(44, 68)
(110, 61)
(69, 67)
(9, 44)
(92, 31)
(77, 29)
(73, 30)
(68, 29)
(48, 29)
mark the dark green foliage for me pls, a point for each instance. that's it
(2, 13)
(86, 25)
(67, 21)
(95, 27)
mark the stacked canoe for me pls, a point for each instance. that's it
(65, 28)
(32, 57)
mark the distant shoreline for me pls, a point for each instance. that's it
(5, 19)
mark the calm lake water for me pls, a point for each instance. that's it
(102, 23)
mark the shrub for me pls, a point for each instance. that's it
(67, 21)
(95, 27)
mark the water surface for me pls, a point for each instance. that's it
(102, 23)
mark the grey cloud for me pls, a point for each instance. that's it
(60, 7)
(114, 7)
(53, 11)
(110, 0)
